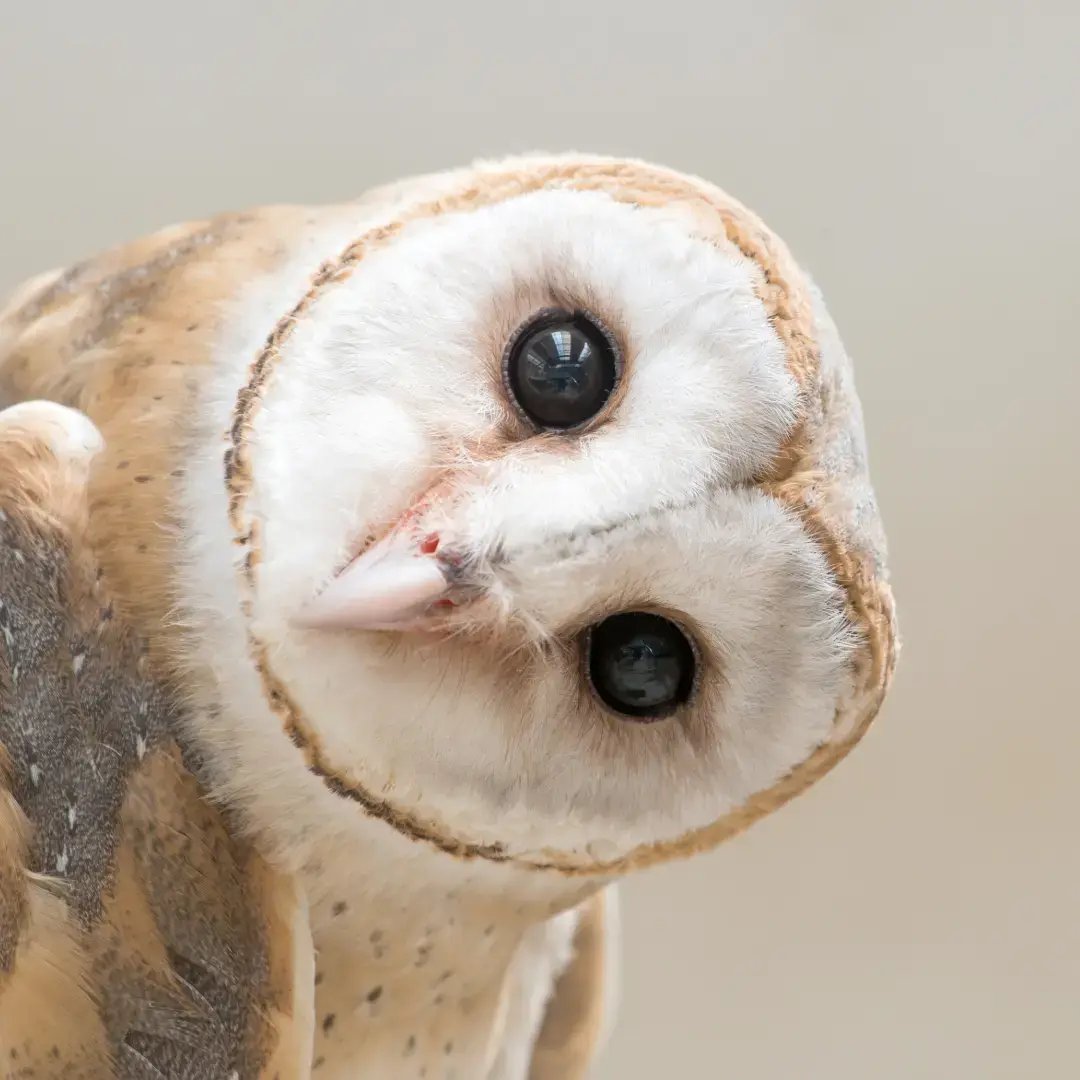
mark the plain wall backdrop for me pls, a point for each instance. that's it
(918, 913)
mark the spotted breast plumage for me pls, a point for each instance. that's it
(465, 546)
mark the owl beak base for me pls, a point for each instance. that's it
(389, 586)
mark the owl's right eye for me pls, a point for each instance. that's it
(560, 368)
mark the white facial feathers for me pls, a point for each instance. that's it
(391, 384)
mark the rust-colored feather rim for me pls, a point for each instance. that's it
(785, 295)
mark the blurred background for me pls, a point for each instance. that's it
(918, 913)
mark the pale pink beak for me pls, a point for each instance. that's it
(389, 586)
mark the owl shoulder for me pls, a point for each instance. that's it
(114, 322)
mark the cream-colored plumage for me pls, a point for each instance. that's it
(274, 388)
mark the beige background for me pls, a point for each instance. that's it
(918, 914)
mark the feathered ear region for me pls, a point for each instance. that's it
(136, 930)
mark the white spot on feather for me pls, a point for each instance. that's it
(71, 817)
(35, 774)
(77, 663)
(140, 746)
(62, 862)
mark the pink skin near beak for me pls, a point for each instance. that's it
(390, 586)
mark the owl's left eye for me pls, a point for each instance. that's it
(560, 369)
(640, 665)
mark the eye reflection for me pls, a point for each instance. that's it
(561, 369)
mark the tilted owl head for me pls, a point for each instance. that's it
(549, 535)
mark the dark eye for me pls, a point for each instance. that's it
(560, 368)
(640, 665)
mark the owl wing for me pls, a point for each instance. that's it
(140, 936)
(579, 1011)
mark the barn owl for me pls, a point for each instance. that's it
(492, 535)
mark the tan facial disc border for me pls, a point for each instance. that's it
(784, 293)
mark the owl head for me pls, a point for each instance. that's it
(544, 533)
